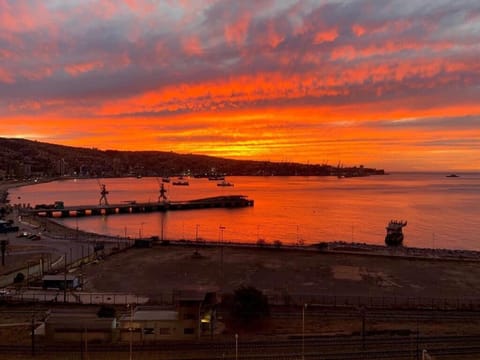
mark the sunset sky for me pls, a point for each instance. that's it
(385, 83)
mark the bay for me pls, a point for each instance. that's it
(442, 212)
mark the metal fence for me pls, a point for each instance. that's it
(378, 302)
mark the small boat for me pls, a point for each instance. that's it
(216, 177)
(224, 183)
(181, 182)
(452, 175)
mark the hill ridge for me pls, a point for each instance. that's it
(22, 158)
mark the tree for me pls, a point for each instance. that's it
(19, 278)
(261, 243)
(249, 305)
(106, 311)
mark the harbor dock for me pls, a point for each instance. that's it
(231, 201)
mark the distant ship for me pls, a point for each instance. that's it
(181, 182)
(452, 175)
(224, 183)
(216, 177)
(394, 235)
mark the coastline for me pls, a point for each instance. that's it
(55, 242)
(53, 230)
(289, 209)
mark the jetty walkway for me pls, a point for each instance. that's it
(132, 207)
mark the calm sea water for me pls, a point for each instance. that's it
(441, 212)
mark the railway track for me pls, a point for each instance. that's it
(374, 314)
(335, 348)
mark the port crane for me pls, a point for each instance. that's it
(162, 198)
(103, 194)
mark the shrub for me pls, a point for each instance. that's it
(249, 304)
(19, 278)
(261, 243)
(106, 311)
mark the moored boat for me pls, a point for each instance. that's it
(216, 177)
(224, 183)
(181, 182)
(394, 235)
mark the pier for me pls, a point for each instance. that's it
(132, 207)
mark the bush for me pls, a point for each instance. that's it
(19, 278)
(249, 305)
(106, 311)
(261, 243)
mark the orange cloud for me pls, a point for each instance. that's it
(80, 68)
(16, 17)
(326, 36)
(192, 46)
(140, 6)
(358, 30)
(352, 134)
(236, 32)
(270, 86)
(6, 77)
(273, 37)
(37, 74)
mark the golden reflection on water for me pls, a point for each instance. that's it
(441, 212)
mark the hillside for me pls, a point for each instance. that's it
(20, 158)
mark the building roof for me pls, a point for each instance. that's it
(145, 315)
(59, 277)
(153, 313)
(78, 320)
(189, 295)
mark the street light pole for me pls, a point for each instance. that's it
(131, 332)
(162, 224)
(221, 232)
(236, 346)
(221, 228)
(303, 330)
(362, 311)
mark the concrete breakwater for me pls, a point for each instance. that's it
(132, 207)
